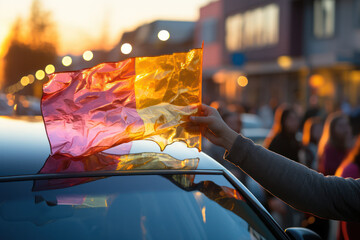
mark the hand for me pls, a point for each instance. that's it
(214, 128)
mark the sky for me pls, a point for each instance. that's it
(82, 24)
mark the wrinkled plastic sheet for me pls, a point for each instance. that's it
(91, 110)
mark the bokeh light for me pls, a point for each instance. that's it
(88, 55)
(66, 61)
(40, 74)
(49, 69)
(284, 62)
(316, 81)
(215, 104)
(31, 78)
(10, 102)
(24, 81)
(163, 35)
(219, 77)
(242, 81)
(126, 48)
(355, 76)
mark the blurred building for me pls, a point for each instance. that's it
(281, 49)
(332, 48)
(210, 29)
(155, 38)
(88, 59)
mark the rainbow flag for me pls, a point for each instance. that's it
(94, 109)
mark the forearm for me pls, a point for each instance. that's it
(228, 138)
(299, 186)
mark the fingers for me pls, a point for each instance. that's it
(200, 120)
(207, 110)
(207, 115)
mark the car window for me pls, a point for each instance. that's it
(251, 121)
(129, 207)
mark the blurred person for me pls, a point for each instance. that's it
(266, 114)
(313, 110)
(233, 120)
(350, 168)
(355, 121)
(335, 142)
(334, 145)
(312, 132)
(236, 107)
(282, 140)
(220, 106)
(303, 188)
(274, 103)
(282, 137)
(345, 106)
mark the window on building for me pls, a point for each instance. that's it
(208, 30)
(254, 28)
(357, 14)
(324, 18)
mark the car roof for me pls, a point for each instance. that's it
(24, 147)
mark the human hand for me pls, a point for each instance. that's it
(214, 128)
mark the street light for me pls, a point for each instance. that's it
(49, 69)
(126, 48)
(316, 81)
(284, 62)
(164, 35)
(66, 61)
(40, 74)
(88, 55)
(242, 81)
(24, 81)
(31, 78)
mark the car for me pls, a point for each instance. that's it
(178, 193)
(252, 127)
(5, 109)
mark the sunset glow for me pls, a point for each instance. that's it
(79, 29)
(84, 26)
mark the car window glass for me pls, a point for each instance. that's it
(130, 207)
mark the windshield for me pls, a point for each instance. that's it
(130, 207)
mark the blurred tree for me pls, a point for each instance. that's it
(32, 45)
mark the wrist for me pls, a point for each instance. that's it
(229, 139)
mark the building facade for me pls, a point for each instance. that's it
(287, 50)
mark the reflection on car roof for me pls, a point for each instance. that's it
(24, 148)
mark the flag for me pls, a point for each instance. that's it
(94, 109)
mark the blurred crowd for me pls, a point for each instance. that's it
(325, 139)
